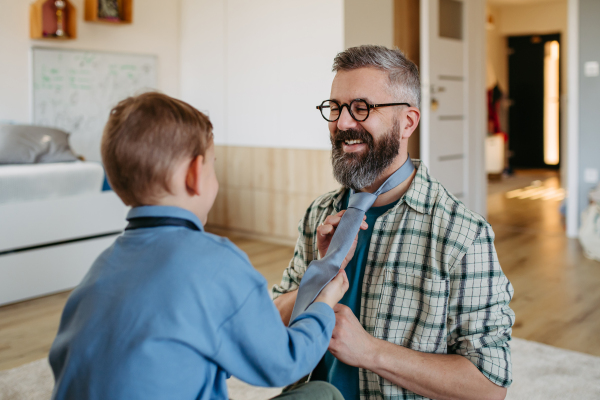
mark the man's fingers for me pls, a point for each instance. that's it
(325, 230)
(333, 220)
(338, 307)
(346, 283)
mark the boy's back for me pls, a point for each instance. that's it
(167, 310)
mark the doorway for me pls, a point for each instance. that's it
(534, 113)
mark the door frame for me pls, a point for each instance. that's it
(572, 151)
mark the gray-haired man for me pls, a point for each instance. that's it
(427, 314)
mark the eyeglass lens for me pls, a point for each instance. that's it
(359, 110)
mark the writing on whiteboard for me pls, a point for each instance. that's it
(75, 91)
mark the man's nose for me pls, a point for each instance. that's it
(346, 121)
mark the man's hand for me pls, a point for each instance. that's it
(350, 343)
(326, 230)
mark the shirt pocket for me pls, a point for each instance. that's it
(413, 311)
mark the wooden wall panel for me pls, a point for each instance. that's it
(264, 192)
(407, 28)
(407, 38)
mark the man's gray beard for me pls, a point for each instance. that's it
(358, 171)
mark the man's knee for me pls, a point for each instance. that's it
(327, 389)
(316, 390)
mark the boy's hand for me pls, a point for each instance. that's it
(325, 233)
(334, 291)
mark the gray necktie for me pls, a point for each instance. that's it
(320, 272)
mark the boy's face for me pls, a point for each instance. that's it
(209, 184)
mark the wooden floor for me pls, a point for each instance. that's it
(557, 290)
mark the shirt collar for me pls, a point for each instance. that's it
(419, 196)
(164, 211)
(422, 192)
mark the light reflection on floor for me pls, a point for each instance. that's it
(548, 189)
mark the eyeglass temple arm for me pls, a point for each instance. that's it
(388, 104)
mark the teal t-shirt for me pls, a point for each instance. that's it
(330, 369)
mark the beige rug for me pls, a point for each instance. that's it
(540, 372)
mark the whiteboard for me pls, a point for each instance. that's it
(75, 91)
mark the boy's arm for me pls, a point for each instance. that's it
(257, 348)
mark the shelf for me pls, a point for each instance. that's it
(43, 21)
(125, 11)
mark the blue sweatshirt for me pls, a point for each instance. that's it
(169, 312)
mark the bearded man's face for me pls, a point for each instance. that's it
(360, 169)
(363, 150)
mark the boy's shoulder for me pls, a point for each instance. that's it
(223, 247)
(220, 254)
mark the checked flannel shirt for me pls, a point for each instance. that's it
(432, 281)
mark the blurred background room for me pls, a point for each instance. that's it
(510, 125)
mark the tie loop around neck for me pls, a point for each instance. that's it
(364, 200)
(397, 177)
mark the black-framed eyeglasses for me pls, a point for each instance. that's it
(359, 109)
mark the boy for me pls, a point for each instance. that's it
(170, 311)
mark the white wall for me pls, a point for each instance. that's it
(537, 18)
(369, 22)
(259, 68)
(155, 30)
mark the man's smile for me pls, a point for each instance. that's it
(353, 141)
(353, 146)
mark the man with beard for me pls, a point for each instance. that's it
(426, 314)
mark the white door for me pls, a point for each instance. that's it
(444, 147)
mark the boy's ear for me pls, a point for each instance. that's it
(193, 178)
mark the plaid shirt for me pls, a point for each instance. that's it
(432, 281)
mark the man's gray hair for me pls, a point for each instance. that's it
(402, 73)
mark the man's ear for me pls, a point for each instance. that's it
(193, 181)
(411, 118)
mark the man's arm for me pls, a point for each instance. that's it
(437, 376)
(285, 305)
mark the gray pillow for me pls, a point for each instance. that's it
(29, 144)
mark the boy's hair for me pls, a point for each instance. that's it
(146, 136)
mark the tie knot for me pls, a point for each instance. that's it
(362, 200)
